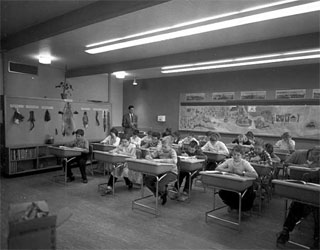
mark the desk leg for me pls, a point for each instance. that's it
(240, 204)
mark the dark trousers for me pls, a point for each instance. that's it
(211, 165)
(81, 162)
(299, 210)
(187, 183)
(232, 199)
(110, 181)
(150, 182)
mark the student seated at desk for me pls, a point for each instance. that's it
(242, 140)
(167, 155)
(147, 139)
(113, 138)
(79, 142)
(135, 139)
(192, 150)
(204, 139)
(250, 137)
(305, 158)
(125, 148)
(239, 166)
(299, 210)
(259, 154)
(188, 139)
(172, 138)
(269, 148)
(286, 143)
(215, 146)
(155, 143)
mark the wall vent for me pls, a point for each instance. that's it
(22, 68)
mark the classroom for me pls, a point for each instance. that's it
(160, 124)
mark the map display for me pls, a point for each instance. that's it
(299, 120)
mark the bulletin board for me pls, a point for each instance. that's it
(93, 117)
(262, 119)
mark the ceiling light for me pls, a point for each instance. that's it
(45, 59)
(120, 74)
(268, 61)
(134, 83)
(248, 58)
(269, 15)
(190, 23)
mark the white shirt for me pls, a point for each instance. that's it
(218, 147)
(135, 140)
(282, 144)
(242, 167)
(111, 141)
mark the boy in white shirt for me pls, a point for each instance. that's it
(241, 167)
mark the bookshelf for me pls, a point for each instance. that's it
(31, 158)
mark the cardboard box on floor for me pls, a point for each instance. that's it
(37, 233)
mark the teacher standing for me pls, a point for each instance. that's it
(130, 121)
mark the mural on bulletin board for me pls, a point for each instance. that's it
(301, 121)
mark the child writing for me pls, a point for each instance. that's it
(135, 139)
(241, 167)
(286, 143)
(125, 148)
(215, 146)
(112, 138)
(167, 155)
(192, 150)
(79, 142)
(259, 154)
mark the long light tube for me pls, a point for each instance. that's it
(285, 12)
(287, 59)
(191, 22)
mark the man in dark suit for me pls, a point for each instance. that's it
(130, 121)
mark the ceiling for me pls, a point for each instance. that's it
(64, 28)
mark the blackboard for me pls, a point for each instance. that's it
(22, 134)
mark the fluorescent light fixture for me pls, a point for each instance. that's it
(220, 66)
(45, 59)
(248, 58)
(120, 74)
(134, 82)
(190, 23)
(269, 15)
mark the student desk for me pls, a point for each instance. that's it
(153, 168)
(245, 148)
(116, 161)
(226, 181)
(300, 191)
(145, 151)
(102, 147)
(66, 154)
(265, 174)
(281, 153)
(214, 156)
(297, 172)
(191, 166)
(105, 148)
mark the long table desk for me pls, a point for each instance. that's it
(299, 191)
(191, 166)
(66, 154)
(153, 168)
(226, 181)
(115, 160)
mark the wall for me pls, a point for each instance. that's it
(160, 96)
(94, 87)
(116, 99)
